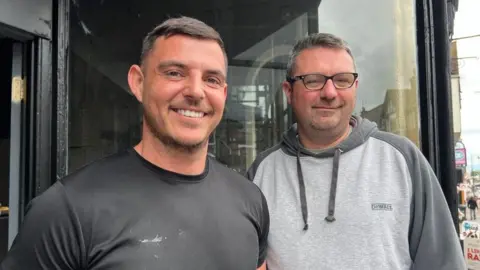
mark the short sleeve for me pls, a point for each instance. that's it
(49, 237)
(264, 230)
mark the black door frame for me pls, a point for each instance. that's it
(435, 95)
(18, 134)
(61, 17)
(36, 107)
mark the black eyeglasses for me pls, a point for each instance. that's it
(315, 82)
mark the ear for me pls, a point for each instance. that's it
(288, 90)
(135, 81)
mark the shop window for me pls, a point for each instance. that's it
(465, 90)
(383, 40)
(106, 38)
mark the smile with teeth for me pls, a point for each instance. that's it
(192, 114)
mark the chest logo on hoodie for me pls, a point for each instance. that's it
(382, 207)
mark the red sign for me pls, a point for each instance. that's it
(460, 157)
(472, 252)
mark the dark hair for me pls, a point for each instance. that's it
(181, 26)
(317, 40)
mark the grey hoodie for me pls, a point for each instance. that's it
(371, 202)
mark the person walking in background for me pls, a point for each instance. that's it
(473, 206)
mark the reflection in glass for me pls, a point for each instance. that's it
(384, 47)
(106, 38)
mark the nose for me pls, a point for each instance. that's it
(194, 87)
(329, 91)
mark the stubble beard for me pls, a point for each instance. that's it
(169, 141)
(315, 127)
(324, 125)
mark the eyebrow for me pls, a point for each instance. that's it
(167, 64)
(181, 65)
(216, 73)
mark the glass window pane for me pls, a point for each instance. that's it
(382, 37)
(106, 39)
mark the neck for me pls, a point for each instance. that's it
(319, 140)
(172, 159)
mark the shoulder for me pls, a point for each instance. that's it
(51, 234)
(266, 153)
(231, 177)
(261, 158)
(79, 188)
(70, 198)
(52, 208)
(100, 172)
(237, 184)
(246, 193)
(403, 145)
(418, 165)
(55, 197)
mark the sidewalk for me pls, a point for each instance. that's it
(469, 218)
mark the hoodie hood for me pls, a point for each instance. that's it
(362, 129)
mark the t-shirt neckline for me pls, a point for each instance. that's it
(169, 175)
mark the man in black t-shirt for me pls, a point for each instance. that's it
(162, 204)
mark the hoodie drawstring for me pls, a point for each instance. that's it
(303, 197)
(333, 186)
(333, 189)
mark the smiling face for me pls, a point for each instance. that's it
(329, 109)
(182, 88)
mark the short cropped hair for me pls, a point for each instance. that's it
(181, 26)
(317, 40)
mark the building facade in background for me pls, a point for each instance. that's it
(70, 103)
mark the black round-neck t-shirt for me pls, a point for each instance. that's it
(122, 212)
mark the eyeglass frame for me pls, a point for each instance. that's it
(293, 79)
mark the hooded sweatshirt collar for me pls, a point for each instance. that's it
(361, 131)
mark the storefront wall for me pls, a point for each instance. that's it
(84, 110)
(105, 39)
(31, 17)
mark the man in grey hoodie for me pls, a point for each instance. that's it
(341, 193)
